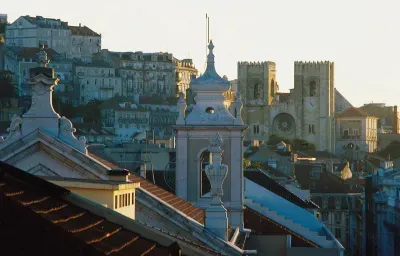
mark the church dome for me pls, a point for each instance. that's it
(210, 81)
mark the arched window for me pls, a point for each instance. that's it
(273, 87)
(256, 91)
(205, 185)
(313, 88)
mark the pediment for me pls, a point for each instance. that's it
(41, 170)
(53, 154)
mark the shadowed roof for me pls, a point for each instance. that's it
(43, 203)
(353, 112)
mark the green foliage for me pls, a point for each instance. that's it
(90, 111)
(250, 151)
(3, 28)
(255, 165)
(8, 91)
(297, 144)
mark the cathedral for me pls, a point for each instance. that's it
(306, 112)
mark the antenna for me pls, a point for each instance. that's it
(207, 37)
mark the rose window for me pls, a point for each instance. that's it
(284, 123)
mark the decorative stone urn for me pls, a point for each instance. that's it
(216, 214)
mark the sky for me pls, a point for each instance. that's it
(362, 37)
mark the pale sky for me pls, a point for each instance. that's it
(362, 37)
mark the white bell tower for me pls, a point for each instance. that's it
(208, 117)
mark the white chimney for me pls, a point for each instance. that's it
(118, 175)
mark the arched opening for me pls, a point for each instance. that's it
(205, 185)
(256, 91)
(273, 87)
(313, 88)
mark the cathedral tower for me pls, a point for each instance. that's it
(257, 85)
(314, 91)
(207, 118)
(257, 82)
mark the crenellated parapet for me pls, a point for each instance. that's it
(309, 66)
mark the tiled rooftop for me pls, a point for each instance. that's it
(82, 31)
(261, 225)
(263, 180)
(325, 182)
(23, 190)
(171, 199)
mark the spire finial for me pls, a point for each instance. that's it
(211, 46)
(210, 59)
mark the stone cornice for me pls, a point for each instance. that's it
(80, 159)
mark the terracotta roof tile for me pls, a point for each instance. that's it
(45, 201)
(353, 112)
(82, 31)
(324, 182)
(178, 203)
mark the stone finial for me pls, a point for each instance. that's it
(181, 108)
(43, 61)
(216, 214)
(237, 107)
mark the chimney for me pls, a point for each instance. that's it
(118, 175)
(216, 219)
(395, 120)
(79, 24)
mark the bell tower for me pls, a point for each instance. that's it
(195, 127)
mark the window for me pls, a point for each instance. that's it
(126, 199)
(204, 182)
(256, 129)
(325, 217)
(313, 88)
(129, 199)
(120, 200)
(256, 91)
(338, 233)
(325, 203)
(116, 202)
(338, 203)
(337, 218)
(133, 198)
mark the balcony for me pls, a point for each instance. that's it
(106, 87)
(350, 137)
(133, 120)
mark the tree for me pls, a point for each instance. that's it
(274, 139)
(91, 111)
(8, 91)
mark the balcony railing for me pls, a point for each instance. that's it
(107, 87)
(351, 137)
(133, 120)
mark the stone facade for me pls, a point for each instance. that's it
(149, 74)
(185, 71)
(307, 112)
(96, 81)
(353, 126)
(71, 41)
